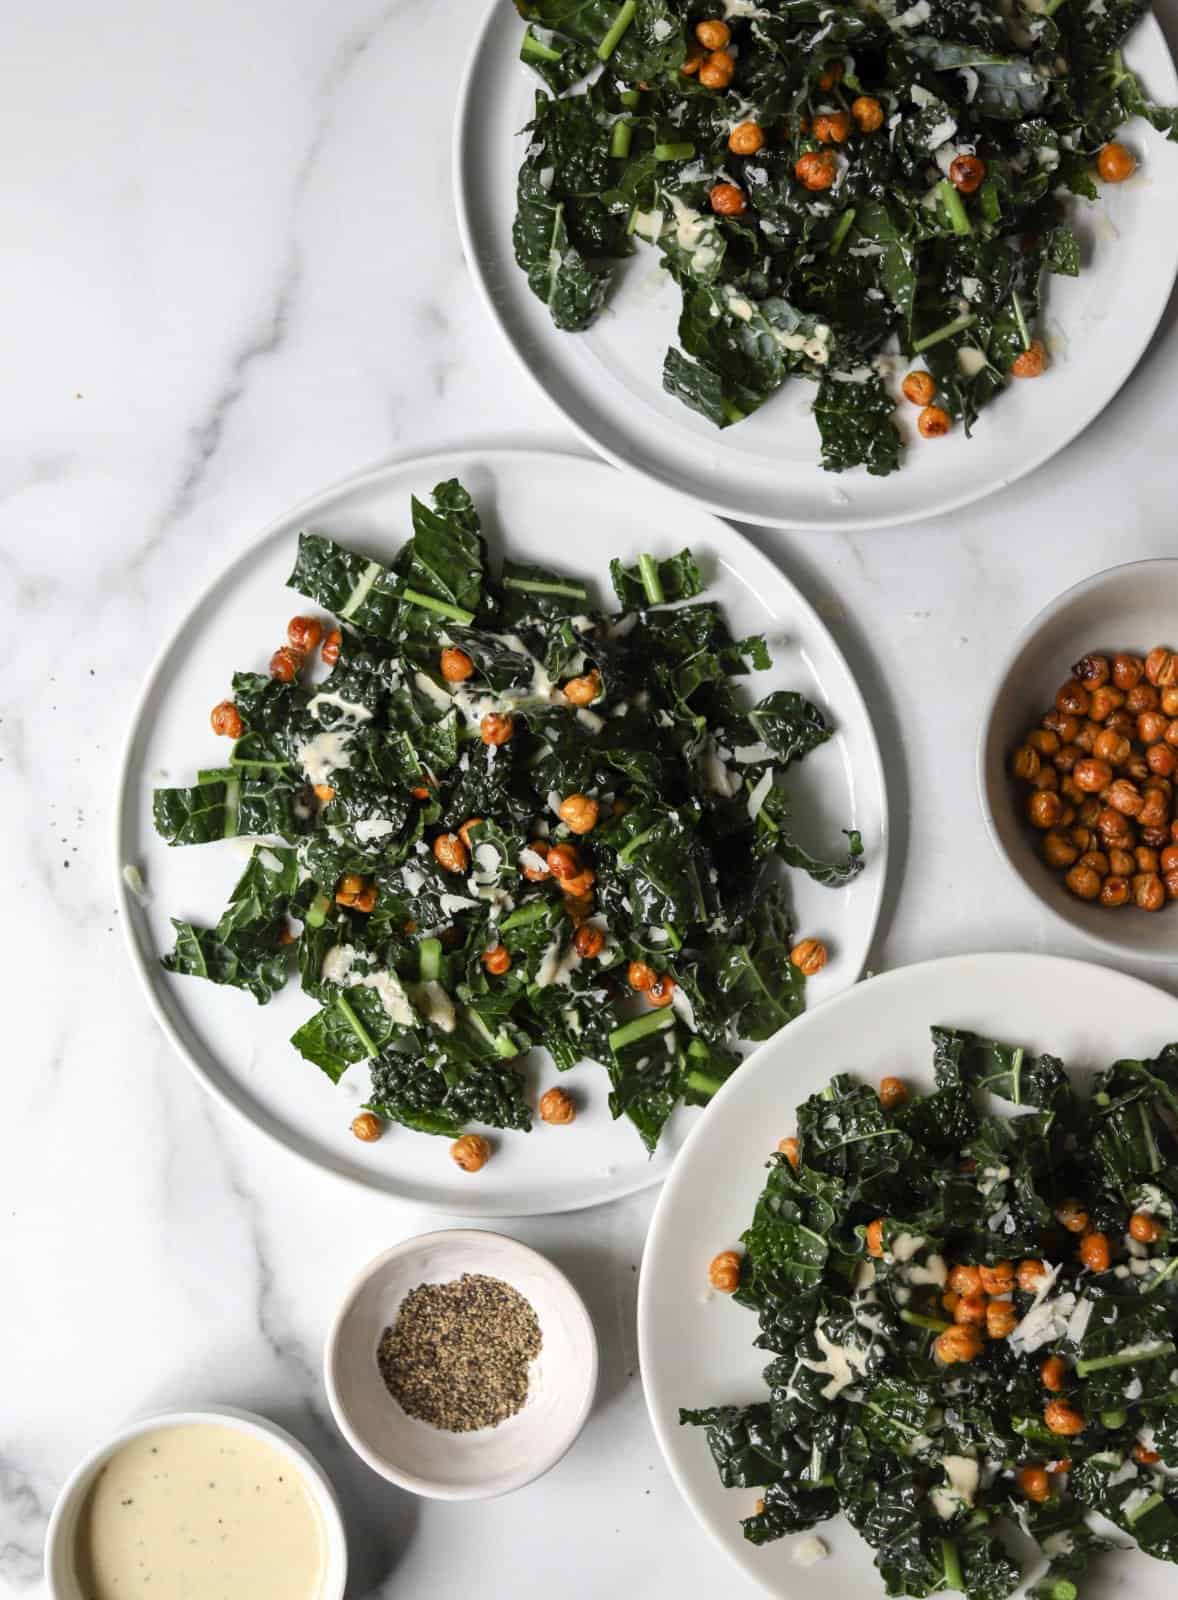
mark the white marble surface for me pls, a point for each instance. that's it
(231, 275)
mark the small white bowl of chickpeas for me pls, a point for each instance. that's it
(1078, 759)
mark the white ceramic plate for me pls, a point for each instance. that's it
(608, 381)
(572, 513)
(1133, 607)
(696, 1347)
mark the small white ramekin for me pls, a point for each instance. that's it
(61, 1538)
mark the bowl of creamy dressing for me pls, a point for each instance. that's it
(197, 1503)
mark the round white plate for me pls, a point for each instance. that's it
(608, 380)
(569, 512)
(696, 1347)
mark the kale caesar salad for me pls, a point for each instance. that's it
(972, 1321)
(507, 818)
(834, 188)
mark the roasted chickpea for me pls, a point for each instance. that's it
(1161, 760)
(563, 861)
(1168, 701)
(367, 1128)
(1105, 700)
(693, 61)
(718, 70)
(661, 991)
(959, 1344)
(464, 830)
(1143, 697)
(349, 888)
(640, 976)
(971, 1308)
(1115, 163)
(1151, 726)
(1155, 813)
(832, 127)
(1073, 699)
(1065, 726)
(892, 1093)
(746, 139)
(874, 1237)
(225, 719)
(588, 942)
(1090, 774)
(533, 863)
(420, 791)
(331, 647)
(579, 812)
(497, 960)
(304, 633)
(1114, 891)
(724, 1272)
(450, 853)
(1145, 859)
(1161, 667)
(816, 170)
(1149, 892)
(557, 1107)
(713, 34)
(497, 727)
(868, 113)
(1044, 808)
(1034, 1484)
(1053, 1373)
(1070, 1214)
(727, 200)
(471, 1152)
(1121, 863)
(1144, 1456)
(965, 1280)
(455, 665)
(286, 663)
(966, 173)
(1044, 741)
(921, 389)
(584, 690)
(790, 1149)
(1046, 778)
(1001, 1319)
(578, 889)
(1062, 1418)
(1114, 829)
(324, 792)
(1031, 362)
(1095, 1252)
(950, 1301)
(1145, 1227)
(831, 74)
(934, 422)
(1111, 747)
(365, 901)
(1085, 739)
(1031, 1273)
(1125, 797)
(808, 956)
(1127, 670)
(1092, 671)
(998, 1278)
(1168, 860)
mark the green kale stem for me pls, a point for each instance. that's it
(1024, 332)
(631, 1032)
(1055, 1589)
(631, 99)
(1143, 1510)
(703, 1083)
(623, 134)
(1128, 1357)
(683, 151)
(357, 1027)
(954, 207)
(732, 413)
(574, 591)
(958, 325)
(317, 911)
(232, 797)
(442, 607)
(533, 50)
(429, 955)
(534, 911)
(620, 23)
(842, 229)
(916, 1320)
(648, 571)
(636, 843)
(951, 1565)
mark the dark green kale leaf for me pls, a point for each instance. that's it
(359, 591)
(651, 44)
(760, 986)
(532, 591)
(248, 947)
(855, 423)
(448, 1090)
(789, 724)
(654, 583)
(229, 805)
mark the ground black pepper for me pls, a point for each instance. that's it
(458, 1354)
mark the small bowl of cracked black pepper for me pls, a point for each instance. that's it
(461, 1365)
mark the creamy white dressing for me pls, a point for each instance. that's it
(326, 753)
(555, 966)
(810, 1550)
(905, 1245)
(843, 1362)
(695, 234)
(392, 997)
(200, 1509)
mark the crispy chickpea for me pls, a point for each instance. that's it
(1121, 863)
(1155, 813)
(1168, 701)
(1073, 699)
(1142, 698)
(1095, 1252)
(661, 991)
(365, 901)
(420, 791)
(1082, 836)
(971, 1308)
(746, 139)
(1092, 670)
(934, 422)
(724, 1272)
(450, 853)
(1058, 850)
(348, 888)
(1137, 768)
(998, 1278)
(790, 1149)
(727, 200)
(1114, 829)
(1048, 778)
(1145, 859)
(1034, 1484)
(640, 976)
(455, 665)
(832, 127)
(324, 792)
(1070, 1214)
(868, 113)
(557, 1107)
(1127, 670)
(535, 871)
(1097, 860)
(497, 960)
(718, 70)
(562, 861)
(950, 1301)
(1001, 1319)
(958, 1344)
(1114, 163)
(225, 719)
(1105, 700)
(921, 389)
(1111, 747)
(1062, 1418)
(1031, 362)
(965, 1280)
(1149, 892)
(1145, 1227)
(1092, 775)
(471, 1152)
(1044, 741)
(808, 956)
(579, 889)
(1144, 1456)
(1114, 891)
(1044, 808)
(1064, 759)
(892, 1093)
(588, 942)
(693, 61)
(286, 663)
(1025, 763)
(367, 1128)
(1124, 796)
(584, 690)
(713, 34)
(1031, 1273)
(966, 173)
(816, 170)
(831, 74)
(1161, 667)
(1151, 726)
(329, 654)
(464, 830)
(497, 727)
(304, 633)
(1162, 760)
(579, 812)
(1066, 726)
(873, 1237)
(1053, 1373)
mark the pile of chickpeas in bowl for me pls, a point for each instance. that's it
(1099, 775)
